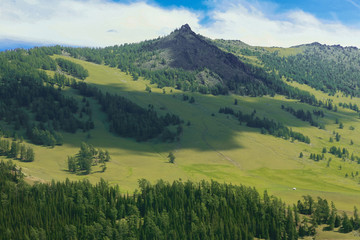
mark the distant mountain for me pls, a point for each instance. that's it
(326, 68)
(7, 44)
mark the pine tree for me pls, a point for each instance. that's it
(107, 156)
(30, 156)
(356, 223)
(337, 137)
(346, 225)
(103, 167)
(22, 152)
(171, 157)
(14, 150)
(72, 164)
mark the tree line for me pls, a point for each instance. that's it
(326, 68)
(306, 116)
(352, 106)
(344, 154)
(177, 210)
(132, 58)
(29, 101)
(267, 126)
(320, 212)
(16, 150)
(128, 119)
(74, 69)
(26, 89)
(338, 152)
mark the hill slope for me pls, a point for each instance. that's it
(211, 145)
(323, 67)
(190, 62)
(189, 51)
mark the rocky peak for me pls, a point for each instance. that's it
(185, 28)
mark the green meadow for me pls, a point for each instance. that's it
(214, 146)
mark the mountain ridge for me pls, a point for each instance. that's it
(230, 138)
(191, 51)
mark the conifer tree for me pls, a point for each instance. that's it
(22, 152)
(30, 156)
(346, 225)
(171, 157)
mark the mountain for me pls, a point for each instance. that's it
(326, 68)
(188, 61)
(187, 50)
(164, 109)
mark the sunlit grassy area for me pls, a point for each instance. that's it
(214, 146)
(285, 52)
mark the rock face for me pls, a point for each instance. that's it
(190, 51)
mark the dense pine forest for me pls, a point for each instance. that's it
(323, 67)
(178, 210)
(30, 99)
(327, 68)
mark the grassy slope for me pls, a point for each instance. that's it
(213, 147)
(285, 52)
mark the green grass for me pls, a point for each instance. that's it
(285, 52)
(333, 235)
(213, 147)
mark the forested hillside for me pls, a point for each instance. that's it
(323, 67)
(205, 116)
(178, 210)
(31, 100)
(326, 68)
(188, 61)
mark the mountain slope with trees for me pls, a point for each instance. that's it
(190, 62)
(158, 117)
(323, 67)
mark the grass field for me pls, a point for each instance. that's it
(214, 147)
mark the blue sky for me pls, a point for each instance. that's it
(26, 23)
(346, 11)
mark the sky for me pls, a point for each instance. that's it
(99, 23)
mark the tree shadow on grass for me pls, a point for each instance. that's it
(203, 115)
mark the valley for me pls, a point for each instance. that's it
(203, 115)
(213, 147)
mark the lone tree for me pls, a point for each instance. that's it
(171, 157)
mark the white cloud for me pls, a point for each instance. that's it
(103, 23)
(255, 26)
(88, 22)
